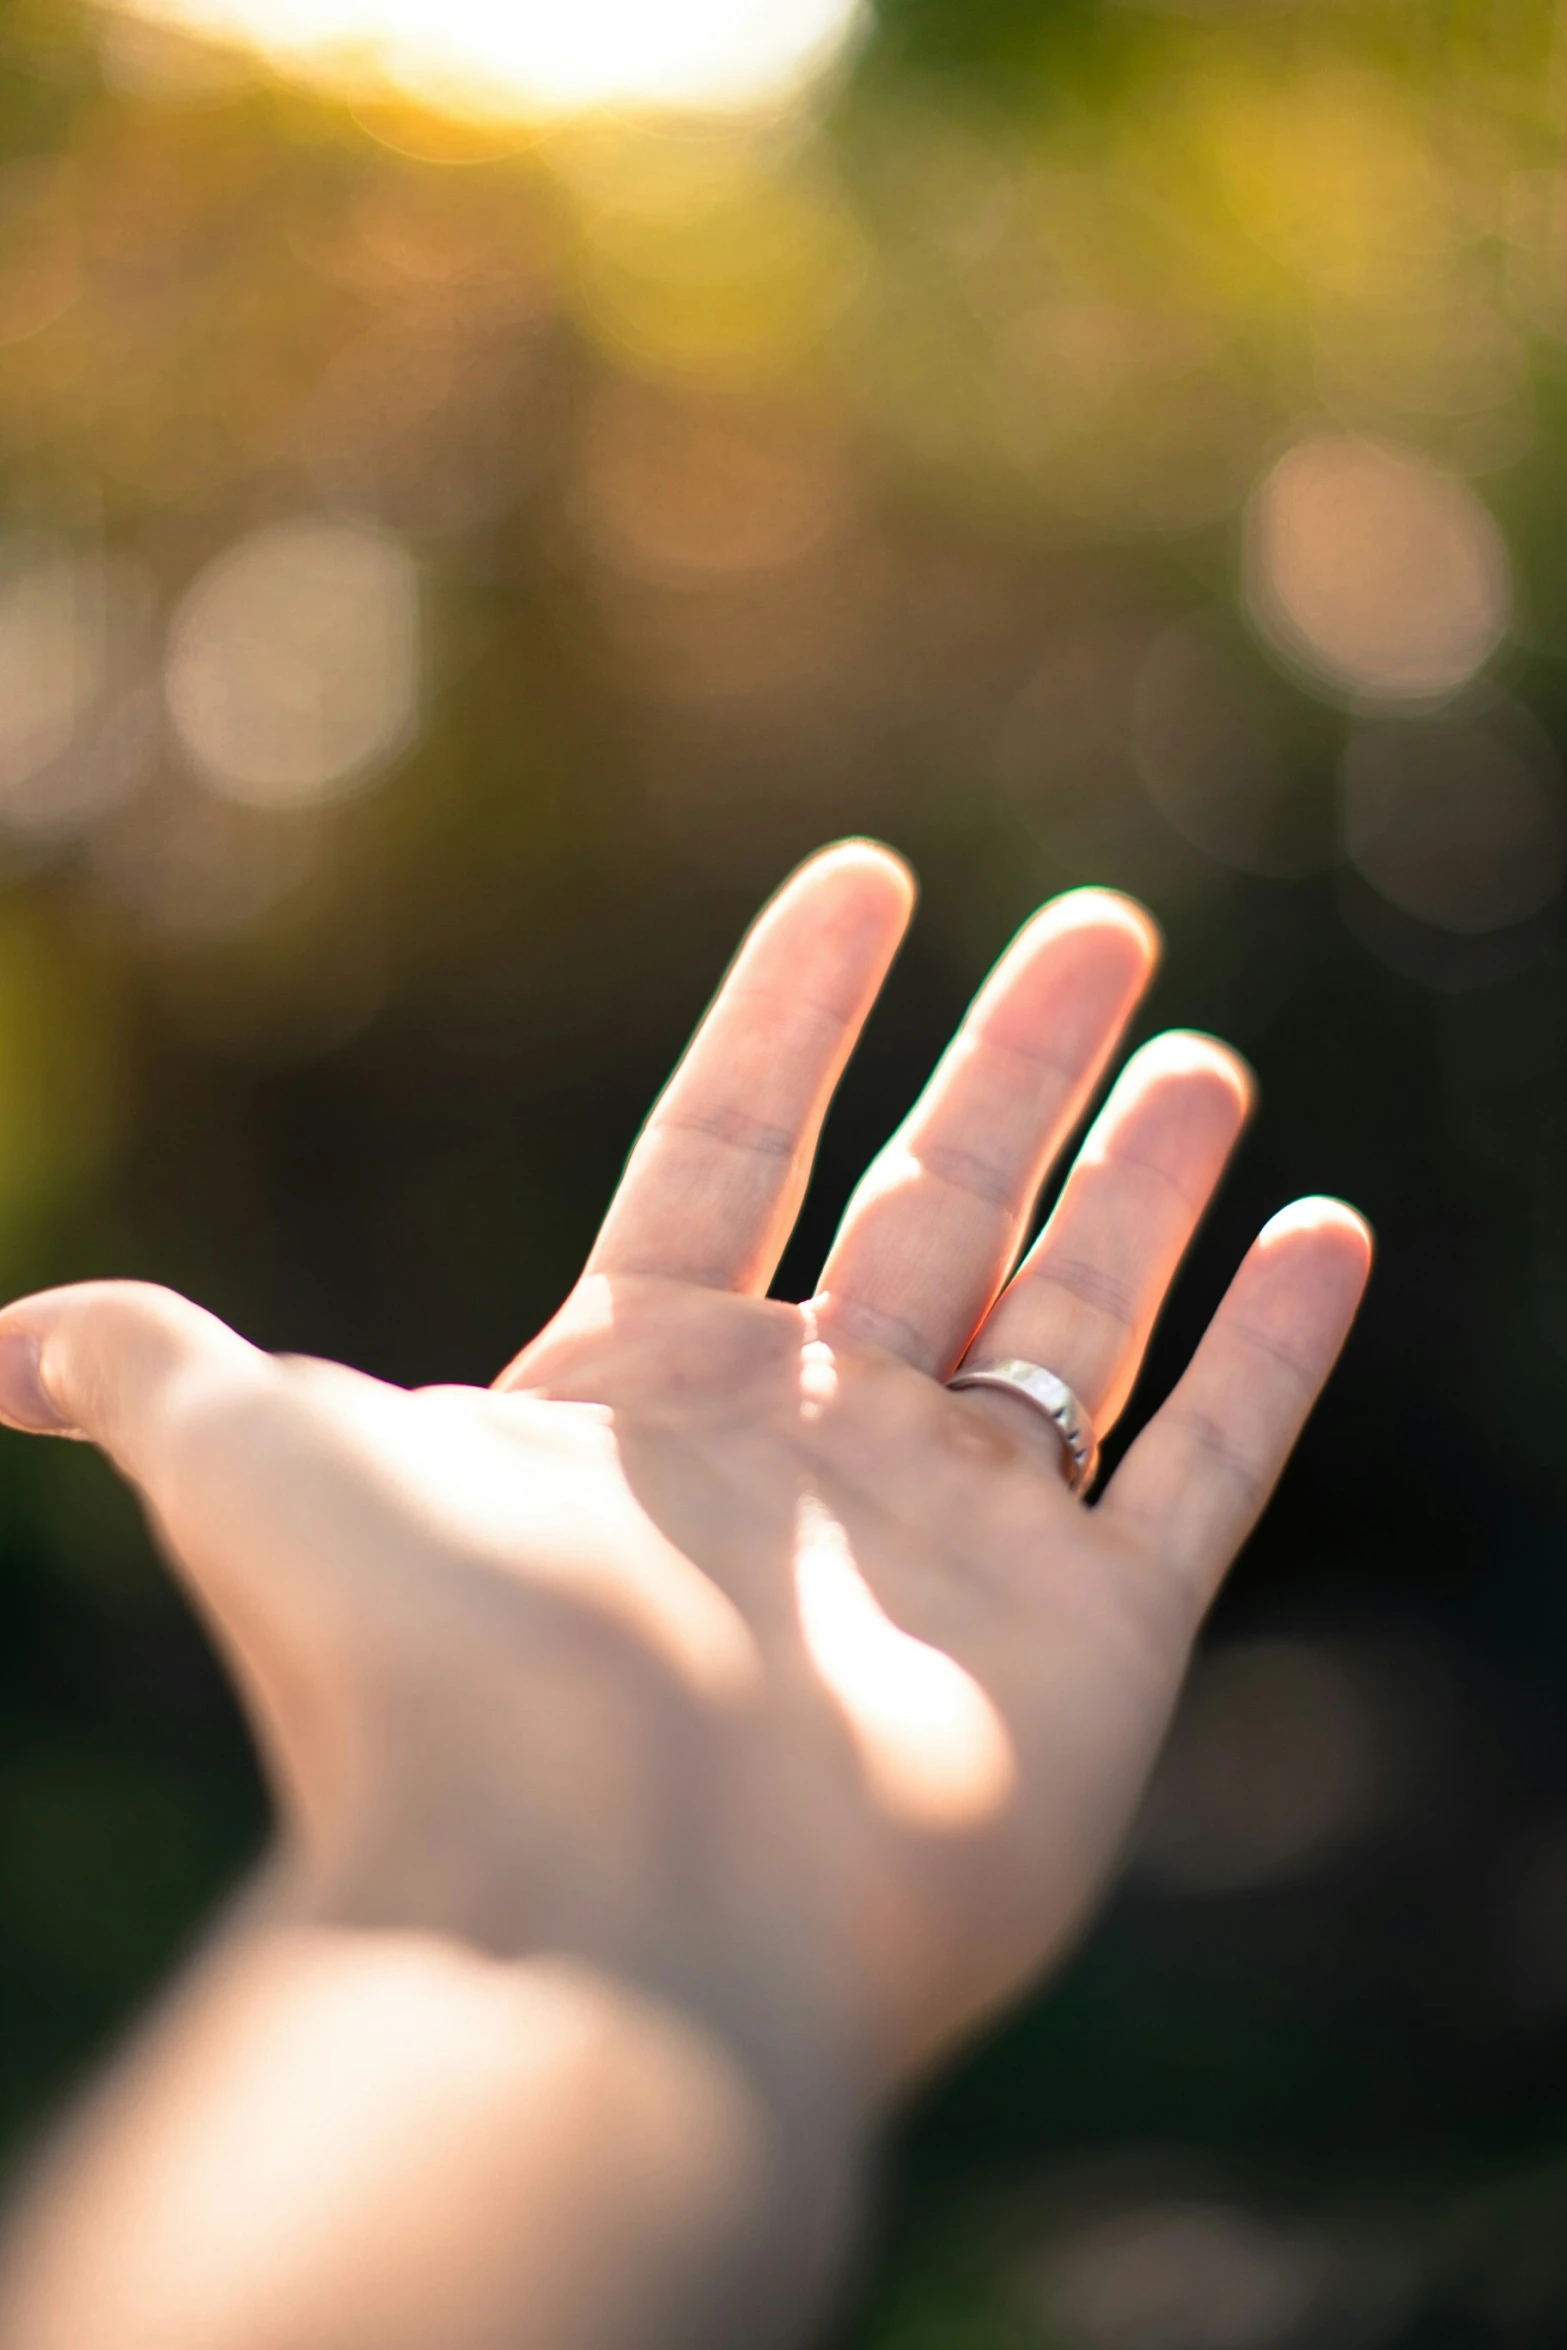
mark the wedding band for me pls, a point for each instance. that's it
(1051, 1396)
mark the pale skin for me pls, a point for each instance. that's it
(681, 1744)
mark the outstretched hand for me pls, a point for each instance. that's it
(719, 1636)
(719, 1653)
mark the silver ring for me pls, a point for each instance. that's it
(1051, 1396)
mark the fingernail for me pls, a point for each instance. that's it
(24, 1400)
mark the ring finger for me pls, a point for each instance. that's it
(1084, 1301)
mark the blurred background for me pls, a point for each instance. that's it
(482, 490)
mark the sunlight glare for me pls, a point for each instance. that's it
(935, 1750)
(534, 58)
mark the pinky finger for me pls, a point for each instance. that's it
(1198, 1478)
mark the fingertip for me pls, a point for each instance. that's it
(864, 847)
(1333, 1239)
(1187, 1053)
(1322, 1216)
(854, 898)
(1112, 942)
(865, 863)
(1095, 908)
(1073, 973)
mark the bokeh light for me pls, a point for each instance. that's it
(1214, 752)
(1458, 821)
(1277, 1762)
(294, 669)
(1065, 754)
(51, 660)
(77, 708)
(1381, 574)
(398, 429)
(1181, 2276)
(684, 489)
(189, 864)
(537, 58)
(40, 257)
(716, 260)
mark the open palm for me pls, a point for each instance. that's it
(719, 1642)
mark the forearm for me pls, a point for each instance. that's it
(335, 2139)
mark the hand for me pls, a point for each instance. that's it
(720, 1637)
(719, 1650)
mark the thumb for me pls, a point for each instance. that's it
(119, 1364)
(200, 1422)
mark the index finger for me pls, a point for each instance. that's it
(715, 1179)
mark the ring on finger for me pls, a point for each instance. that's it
(1048, 1394)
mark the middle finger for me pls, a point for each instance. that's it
(936, 1221)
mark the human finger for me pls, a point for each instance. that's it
(715, 1179)
(1084, 1301)
(280, 1489)
(106, 1361)
(182, 1406)
(936, 1222)
(1197, 1479)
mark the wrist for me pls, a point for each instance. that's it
(381, 2134)
(736, 2121)
(733, 1946)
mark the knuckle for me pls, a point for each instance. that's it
(1140, 1168)
(867, 1323)
(1105, 1293)
(972, 1174)
(1278, 1356)
(1060, 1069)
(732, 1128)
(1221, 1454)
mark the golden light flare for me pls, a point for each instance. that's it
(531, 58)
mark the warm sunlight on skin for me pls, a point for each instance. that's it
(492, 1518)
(932, 1744)
(535, 57)
(818, 1369)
